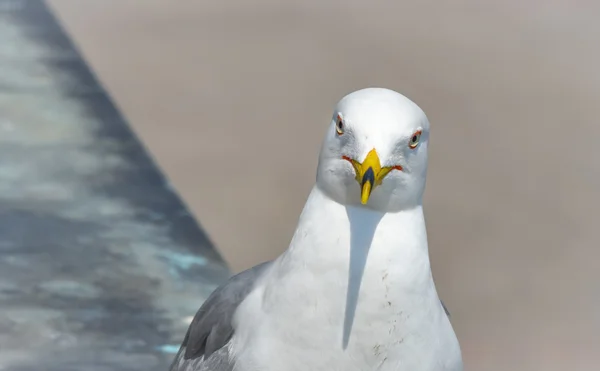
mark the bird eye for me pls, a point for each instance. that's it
(339, 125)
(414, 140)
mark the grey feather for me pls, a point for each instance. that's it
(205, 346)
(445, 309)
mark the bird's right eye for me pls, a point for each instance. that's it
(339, 125)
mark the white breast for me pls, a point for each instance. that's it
(302, 317)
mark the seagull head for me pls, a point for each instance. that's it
(375, 151)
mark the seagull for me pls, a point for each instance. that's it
(354, 290)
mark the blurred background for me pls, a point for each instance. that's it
(511, 89)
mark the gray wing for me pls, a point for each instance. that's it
(205, 346)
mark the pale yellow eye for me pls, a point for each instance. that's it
(339, 125)
(414, 140)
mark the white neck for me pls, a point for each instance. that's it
(340, 253)
(393, 240)
(353, 292)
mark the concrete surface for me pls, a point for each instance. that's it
(101, 265)
(232, 98)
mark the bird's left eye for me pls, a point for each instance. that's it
(414, 140)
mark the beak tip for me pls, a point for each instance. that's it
(365, 194)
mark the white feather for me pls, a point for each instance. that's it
(295, 318)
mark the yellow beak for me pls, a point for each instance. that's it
(370, 174)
